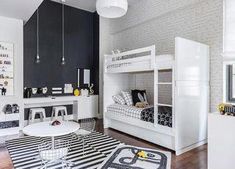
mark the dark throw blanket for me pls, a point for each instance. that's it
(164, 115)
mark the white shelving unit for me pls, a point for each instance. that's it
(11, 70)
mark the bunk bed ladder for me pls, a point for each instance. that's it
(168, 83)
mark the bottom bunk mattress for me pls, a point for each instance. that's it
(144, 114)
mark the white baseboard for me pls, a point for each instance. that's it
(100, 116)
(186, 149)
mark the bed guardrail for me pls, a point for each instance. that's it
(142, 59)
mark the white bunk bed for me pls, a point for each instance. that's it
(185, 78)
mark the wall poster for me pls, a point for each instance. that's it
(6, 69)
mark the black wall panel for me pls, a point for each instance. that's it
(81, 47)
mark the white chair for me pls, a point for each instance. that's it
(34, 111)
(50, 156)
(87, 126)
(59, 109)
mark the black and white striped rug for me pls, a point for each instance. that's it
(24, 151)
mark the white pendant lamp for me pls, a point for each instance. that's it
(111, 8)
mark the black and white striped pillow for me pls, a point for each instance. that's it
(128, 98)
(119, 99)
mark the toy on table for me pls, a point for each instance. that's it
(55, 123)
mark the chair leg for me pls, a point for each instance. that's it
(66, 114)
(41, 117)
(52, 114)
(30, 117)
(62, 112)
(83, 140)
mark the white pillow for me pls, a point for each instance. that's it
(128, 98)
(119, 99)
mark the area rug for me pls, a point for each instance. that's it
(24, 152)
(125, 156)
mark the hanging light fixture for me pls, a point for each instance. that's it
(37, 57)
(111, 8)
(63, 58)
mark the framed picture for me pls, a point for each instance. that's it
(6, 69)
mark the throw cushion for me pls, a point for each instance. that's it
(119, 99)
(128, 98)
(139, 96)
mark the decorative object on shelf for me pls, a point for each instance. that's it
(91, 90)
(44, 90)
(226, 109)
(86, 75)
(34, 90)
(5, 83)
(7, 68)
(38, 56)
(4, 91)
(111, 9)
(3, 47)
(84, 92)
(15, 108)
(57, 90)
(114, 52)
(39, 90)
(7, 109)
(68, 88)
(56, 123)
(76, 92)
(27, 92)
(63, 57)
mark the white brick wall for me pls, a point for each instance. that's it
(160, 21)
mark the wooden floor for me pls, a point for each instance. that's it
(195, 159)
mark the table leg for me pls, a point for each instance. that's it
(53, 142)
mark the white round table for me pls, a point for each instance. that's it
(45, 129)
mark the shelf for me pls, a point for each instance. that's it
(6, 78)
(6, 50)
(167, 105)
(164, 83)
(9, 117)
(9, 131)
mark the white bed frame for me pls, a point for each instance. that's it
(190, 93)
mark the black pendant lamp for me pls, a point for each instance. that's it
(37, 59)
(63, 57)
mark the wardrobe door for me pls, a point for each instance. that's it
(192, 60)
(191, 111)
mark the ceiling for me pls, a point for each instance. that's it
(88, 5)
(19, 9)
(24, 9)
